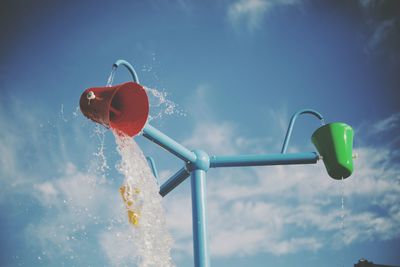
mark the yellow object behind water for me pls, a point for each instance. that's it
(128, 195)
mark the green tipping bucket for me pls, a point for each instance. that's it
(334, 143)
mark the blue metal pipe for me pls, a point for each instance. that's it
(199, 218)
(153, 168)
(263, 160)
(174, 181)
(129, 67)
(168, 143)
(292, 121)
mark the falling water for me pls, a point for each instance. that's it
(152, 240)
(342, 214)
(100, 131)
(111, 77)
(140, 190)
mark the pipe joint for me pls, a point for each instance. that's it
(202, 161)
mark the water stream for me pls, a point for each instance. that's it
(140, 191)
(342, 215)
(153, 243)
(110, 79)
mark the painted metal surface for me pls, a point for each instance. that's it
(168, 143)
(174, 181)
(123, 107)
(293, 120)
(334, 142)
(129, 67)
(263, 160)
(199, 218)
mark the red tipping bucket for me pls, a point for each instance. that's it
(124, 107)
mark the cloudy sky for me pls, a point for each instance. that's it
(235, 71)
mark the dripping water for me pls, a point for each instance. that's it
(342, 215)
(103, 166)
(111, 77)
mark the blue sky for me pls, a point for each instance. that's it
(236, 70)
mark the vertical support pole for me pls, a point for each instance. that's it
(199, 218)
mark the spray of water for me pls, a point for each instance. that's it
(160, 105)
(99, 131)
(62, 117)
(152, 240)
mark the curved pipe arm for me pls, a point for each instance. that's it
(129, 67)
(292, 121)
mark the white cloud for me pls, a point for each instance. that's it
(223, 138)
(214, 138)
(252, 12)
(200, 109)
(8, 159)
(14, 120)
(179, 221)
(366, 3)
(217, 137)
(77, 204)
(381, 37)
(249, 12)
(48, 193)
(380, 33)
(387, 124)
(185, 6)
(278, 210)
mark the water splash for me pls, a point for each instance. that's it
(100, 131)
(76, 112)
(160, 105)
(110, 79)
(62, 117)
(152, 241)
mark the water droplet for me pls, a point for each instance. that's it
(111, 77)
